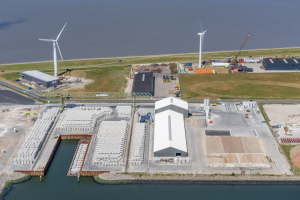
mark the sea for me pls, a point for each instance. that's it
(57, 185)
(113, 28)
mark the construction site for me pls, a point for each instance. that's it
(168, 136)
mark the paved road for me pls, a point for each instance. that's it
(19, 89)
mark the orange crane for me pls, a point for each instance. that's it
(234, 62)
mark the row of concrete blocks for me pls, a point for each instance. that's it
(75, 120)
(138, 144)
(108, 164)
(136, 162)
(36, 137)
(79, 158)
(27, 153)
(108, 157)
(124, 111)
(23, 161)
(111, 143)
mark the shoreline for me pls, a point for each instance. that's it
(154, 55)
(214, 179)
(7, 180)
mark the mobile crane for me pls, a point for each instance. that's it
(234, 60)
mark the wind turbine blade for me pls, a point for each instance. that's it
(47, 40)
(61, 31)
(204, 32)
(59, 50)
(201, 26)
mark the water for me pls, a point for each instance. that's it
(109, 28)
(57, 185)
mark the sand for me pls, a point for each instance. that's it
(239, 159)
(10, 141)
(227, 144)
(283, 114)
(253, 158)
(295, 156)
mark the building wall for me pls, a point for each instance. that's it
(44, 83)
(169, 152)
(278, 66)
(174, 108)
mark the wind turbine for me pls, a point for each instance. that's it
(200, 48)
(54, 50)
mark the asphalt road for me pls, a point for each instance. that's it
(19, 89)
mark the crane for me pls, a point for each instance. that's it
(238, 52)
(148, 114)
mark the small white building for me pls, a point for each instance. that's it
(249, 104)
(174, 104)
(169, 130)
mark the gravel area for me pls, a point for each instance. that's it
(4, 177)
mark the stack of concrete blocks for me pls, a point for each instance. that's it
(138, 144)
(111, 144)
(124, 111)
(82, 118)
(79, 158)
(36, 137)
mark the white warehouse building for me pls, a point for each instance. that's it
(169, 130)
(174, 104)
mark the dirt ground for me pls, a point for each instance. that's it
(253, 158)
(240, 158)
(14, 117)
(129, 85)
(295, 156)
(283, 114)
(225, 144)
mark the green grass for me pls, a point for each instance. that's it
(11, 77)
(241, 86)
(287, 149)
(146, 59)
(112, 182)
(105, 79)
(8, 184)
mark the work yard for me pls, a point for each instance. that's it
(241, 86)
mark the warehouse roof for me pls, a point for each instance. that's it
(143, 82)
(171, 101)
(281, 61)
(40, 75)
(169, 131)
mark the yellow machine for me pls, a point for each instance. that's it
(234, 60)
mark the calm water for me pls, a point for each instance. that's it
(109, 28)
(57, 185)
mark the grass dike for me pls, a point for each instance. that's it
(7, 180)
(186, 178)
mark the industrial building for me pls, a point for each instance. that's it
(173, 104)
(169, 130)
(41, 78)
(281, 64)
(143, 83)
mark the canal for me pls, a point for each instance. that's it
(57, 185)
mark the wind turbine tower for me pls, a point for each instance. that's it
(200, 46)
(55, 44)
